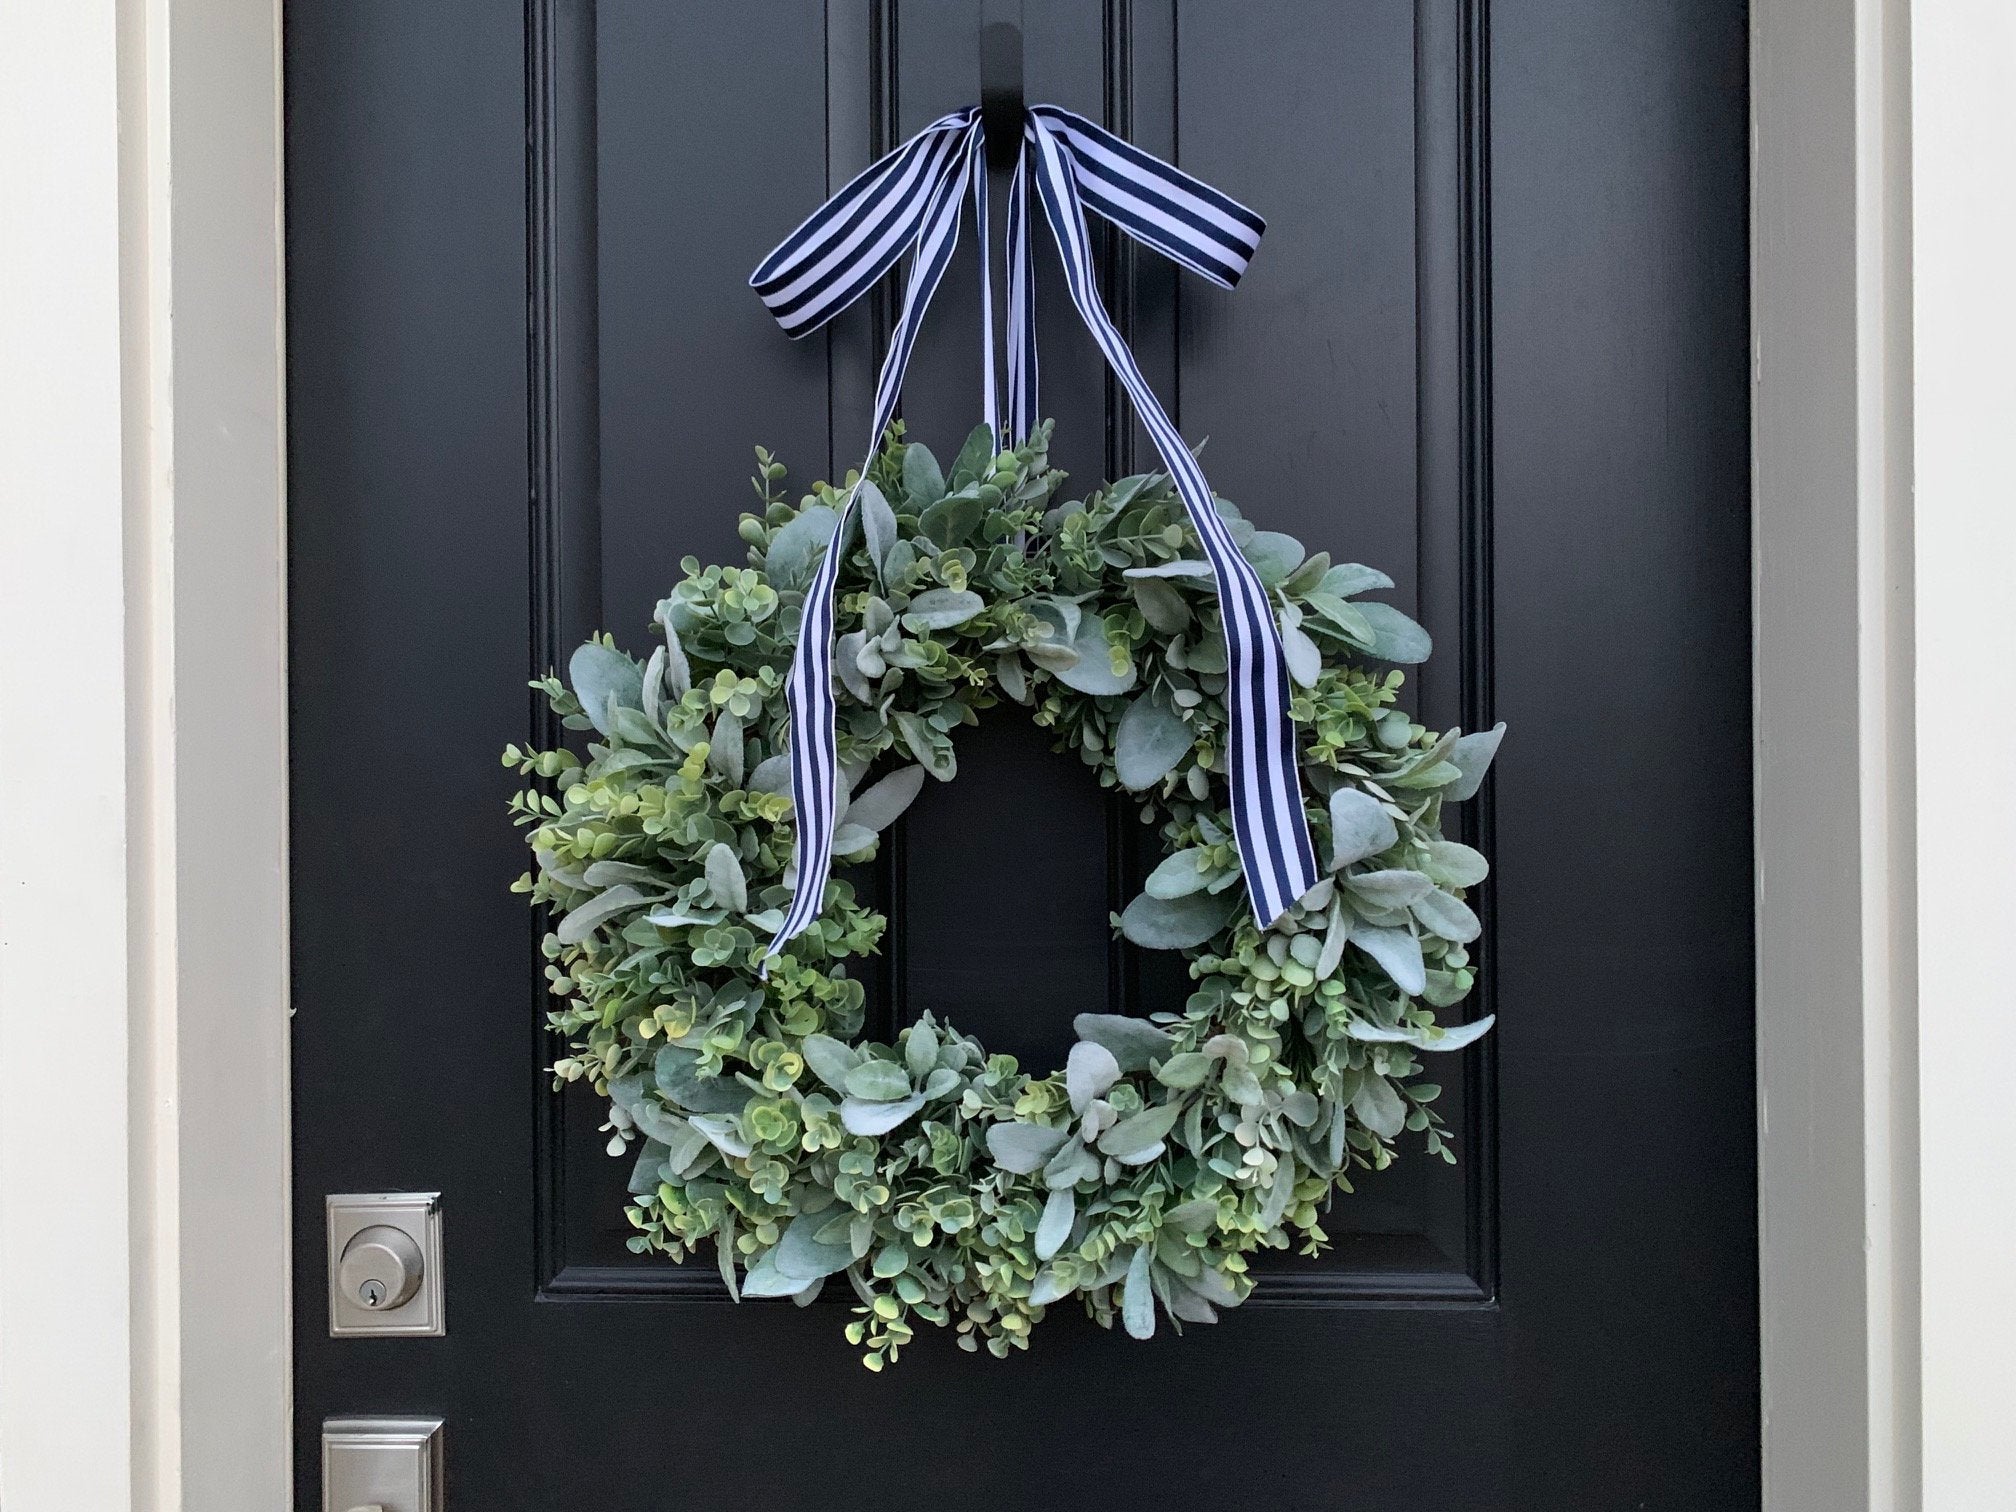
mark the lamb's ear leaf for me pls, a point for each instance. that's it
(830, 1060)
(872, 1118)
(1471, 755)
(1359, 827)
(1378, 1106)
(1178, 923)
(794, 550)
(1398, 952)
(923, 479)
(1088, 1072)
(1059, 1213)
(878, 522)
(1135, 1043)
(600, 674)
(1151, 739)
(1137, 1299)
(1456, 1036)
(971, 463)
(1349, 578)
(1023, 1147)
(583, 920)
(1395, 637)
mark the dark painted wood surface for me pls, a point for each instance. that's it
(1494, 343)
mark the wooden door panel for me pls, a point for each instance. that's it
(1493, 344)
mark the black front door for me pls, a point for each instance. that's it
(1494, 343)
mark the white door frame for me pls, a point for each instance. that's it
(144, 1290)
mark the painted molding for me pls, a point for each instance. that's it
(67, 831)
(1836, 1095)
(144, 1295)
(1962, 333)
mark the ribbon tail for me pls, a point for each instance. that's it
(1276, 854)
(814, 741)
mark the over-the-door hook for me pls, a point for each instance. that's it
(1001, 103)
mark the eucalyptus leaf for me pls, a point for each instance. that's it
(1179, 875)
(644, 1174)
(1093, 671)
(1178, 923)
(601, 675)
(952, 519)
(1183, 567)
(1162, 606)
(1378, 1106)
(1151, 739)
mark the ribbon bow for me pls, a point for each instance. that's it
(910, 202)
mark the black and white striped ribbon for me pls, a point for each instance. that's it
(910, 201)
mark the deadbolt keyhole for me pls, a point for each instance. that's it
(381, 1267)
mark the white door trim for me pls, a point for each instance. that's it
(1832, 621)
(143, 1199)
(144, 1291)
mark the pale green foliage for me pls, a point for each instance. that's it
(945, 1184)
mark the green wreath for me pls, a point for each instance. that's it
(947, 1184)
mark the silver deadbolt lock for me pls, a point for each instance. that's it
(385, 1265)
(381, 1267)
